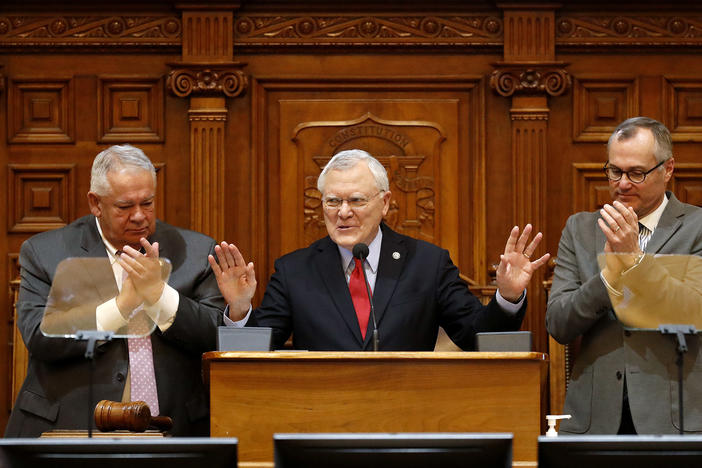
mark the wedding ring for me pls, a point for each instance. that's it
(618, 228)
(527, 256)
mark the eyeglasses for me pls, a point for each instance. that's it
(333, 203)
(636, 176)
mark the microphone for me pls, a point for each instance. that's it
(360, 251)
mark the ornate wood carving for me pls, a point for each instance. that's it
(682, 108)
(207, 75)
(130, 109)
(413, 206)
(40, 110)
(523, 78)
(193, 79)
(600, 103)
(42, 195)
(89, 31)
(662, 28)
(361, 30)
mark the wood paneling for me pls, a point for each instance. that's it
(130, 109)
(40, 111)
(42, 196)
(468, 104)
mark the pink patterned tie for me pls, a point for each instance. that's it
(142, 378)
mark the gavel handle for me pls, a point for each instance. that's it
(161, 422)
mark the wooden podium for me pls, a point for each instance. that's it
(254, 395)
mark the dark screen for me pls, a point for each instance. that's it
(123, 453)
(445, 450)
(669, 451)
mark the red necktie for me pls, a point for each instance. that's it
(359, 296)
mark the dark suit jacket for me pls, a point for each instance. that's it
(414, 294)
(55, 392)
(579, 305)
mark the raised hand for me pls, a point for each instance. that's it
(236, 279)
(516, 268)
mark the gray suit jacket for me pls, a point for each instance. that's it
(55, 392)
(579, 305)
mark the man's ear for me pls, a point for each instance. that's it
(94, 204)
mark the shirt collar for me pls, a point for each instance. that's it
(651, 220)
(373, 253)
(109, 247)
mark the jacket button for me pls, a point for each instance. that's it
(120, 377)
(619, 375)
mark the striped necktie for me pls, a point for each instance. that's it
(644, 236)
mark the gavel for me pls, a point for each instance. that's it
(133, 416)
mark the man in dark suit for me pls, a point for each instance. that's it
(625, 381)
(186, 310)
(415, 286)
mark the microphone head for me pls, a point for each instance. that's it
(360, 250)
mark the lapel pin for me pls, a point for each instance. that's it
(396, 255)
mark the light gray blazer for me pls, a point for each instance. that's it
(579, 306)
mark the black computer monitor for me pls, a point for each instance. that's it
(645, 451)
(396, 450)
(151, 452)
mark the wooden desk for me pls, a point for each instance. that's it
(254, 395)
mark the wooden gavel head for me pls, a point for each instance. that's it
(132, 416)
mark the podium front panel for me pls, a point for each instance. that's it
(254, 395)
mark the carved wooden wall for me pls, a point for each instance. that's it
(486, 115)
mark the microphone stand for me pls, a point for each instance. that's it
(372, 309)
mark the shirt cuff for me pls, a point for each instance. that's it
(163, 311)
(239, 323)
(108, 317)
(510, 308)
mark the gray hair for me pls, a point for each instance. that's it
(663, 143)
(347, 159)
(115, 158)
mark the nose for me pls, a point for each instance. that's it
(345, 210)
(624, 183)
(138, 214)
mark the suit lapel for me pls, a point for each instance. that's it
(393, 255)
(670, 222)
(328, 264)
(92, 246)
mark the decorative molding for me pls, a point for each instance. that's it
(82, 31)
(130, 109)
(682, 108)
(195, 79)
(405, 30)
(529, 34)
(526, 78)
(207, 35)
(651, 29)
(40, 110)
(600, 103)
(42, 196)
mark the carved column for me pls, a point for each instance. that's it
(529, 74)
(207, 75)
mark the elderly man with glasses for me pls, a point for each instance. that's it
(623, 380)
(319, 293)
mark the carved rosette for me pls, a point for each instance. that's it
(530, 79)
(207, 80)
